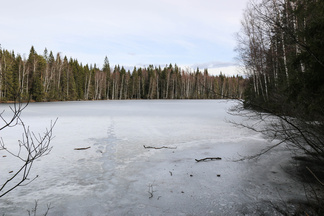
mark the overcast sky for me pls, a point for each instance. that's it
(190, 33)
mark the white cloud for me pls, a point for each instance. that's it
(228, 71)
(160, 31)
(214, 64)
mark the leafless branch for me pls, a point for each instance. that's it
(33, 148)
(33, 211)
(315, 176)
(13, 120)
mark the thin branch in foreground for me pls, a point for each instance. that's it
(151, 147)
(208, 158)
(33, 211)
(49, 207)
(34, 149)
(263, 152)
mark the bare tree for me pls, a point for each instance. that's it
(269, 31)
(284, 62)
(31, 147)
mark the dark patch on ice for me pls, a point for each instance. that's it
(303, 174)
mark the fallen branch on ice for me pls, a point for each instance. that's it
(151, 191)
(82, 148)
(151, 147)
(208, 158)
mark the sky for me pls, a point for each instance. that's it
(189, 33)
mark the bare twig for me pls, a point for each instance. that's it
(208, 158)
(33, 211)
(315, 176)
(16, 110)
(150, 191)
(151, 147)
(49, 207)
(34, 148)
(82, 148)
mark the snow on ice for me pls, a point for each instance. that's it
(118, 176)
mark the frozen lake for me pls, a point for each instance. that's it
(118, 176)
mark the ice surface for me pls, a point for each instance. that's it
(118, 176)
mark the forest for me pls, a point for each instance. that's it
(48, 78)
(282, 48)
(281, 45)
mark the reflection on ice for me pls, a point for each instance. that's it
(118, 176)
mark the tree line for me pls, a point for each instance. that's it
(55, 78)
